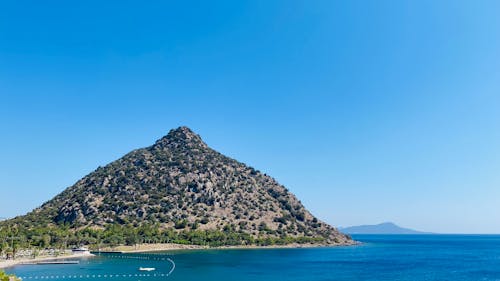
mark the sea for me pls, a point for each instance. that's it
(378, 257)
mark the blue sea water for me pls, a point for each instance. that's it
(379, 257)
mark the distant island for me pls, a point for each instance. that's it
(382, 228)
(177, 190)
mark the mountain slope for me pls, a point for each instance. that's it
(180, 183)
(382, 228)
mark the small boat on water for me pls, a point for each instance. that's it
(147, 268)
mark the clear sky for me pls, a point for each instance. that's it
(369, 111)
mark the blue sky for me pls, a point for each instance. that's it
(369, 111)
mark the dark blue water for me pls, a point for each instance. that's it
(380, 257)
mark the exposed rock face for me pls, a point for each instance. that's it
(180, 181)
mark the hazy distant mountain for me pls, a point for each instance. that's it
(382, 228)
(180, 183)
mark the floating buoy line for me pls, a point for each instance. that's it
(111, 275)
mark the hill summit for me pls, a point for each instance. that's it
(180, 183)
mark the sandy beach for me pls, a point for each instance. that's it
(171, 247)
(9, 263)
(152, 248)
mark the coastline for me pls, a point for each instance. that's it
(159, 247)
(156, 247)
(10, 263)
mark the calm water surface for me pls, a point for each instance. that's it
(380, 257)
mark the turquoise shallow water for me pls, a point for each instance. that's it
(380, 257)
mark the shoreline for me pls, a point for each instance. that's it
(11, 263)
(160, 247)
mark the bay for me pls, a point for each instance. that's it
(379, 257)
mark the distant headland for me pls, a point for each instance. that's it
(382, 228)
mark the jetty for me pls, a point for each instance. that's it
(57, 262)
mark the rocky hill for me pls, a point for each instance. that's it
(180, 183)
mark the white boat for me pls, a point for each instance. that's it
(147, 268)
(81, 250)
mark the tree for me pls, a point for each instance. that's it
(4, 246)
(181, 224)
(8, 277)
(46, 241)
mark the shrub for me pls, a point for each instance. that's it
(7, 277)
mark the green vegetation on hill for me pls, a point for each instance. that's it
(115, 235)
(177, 190)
